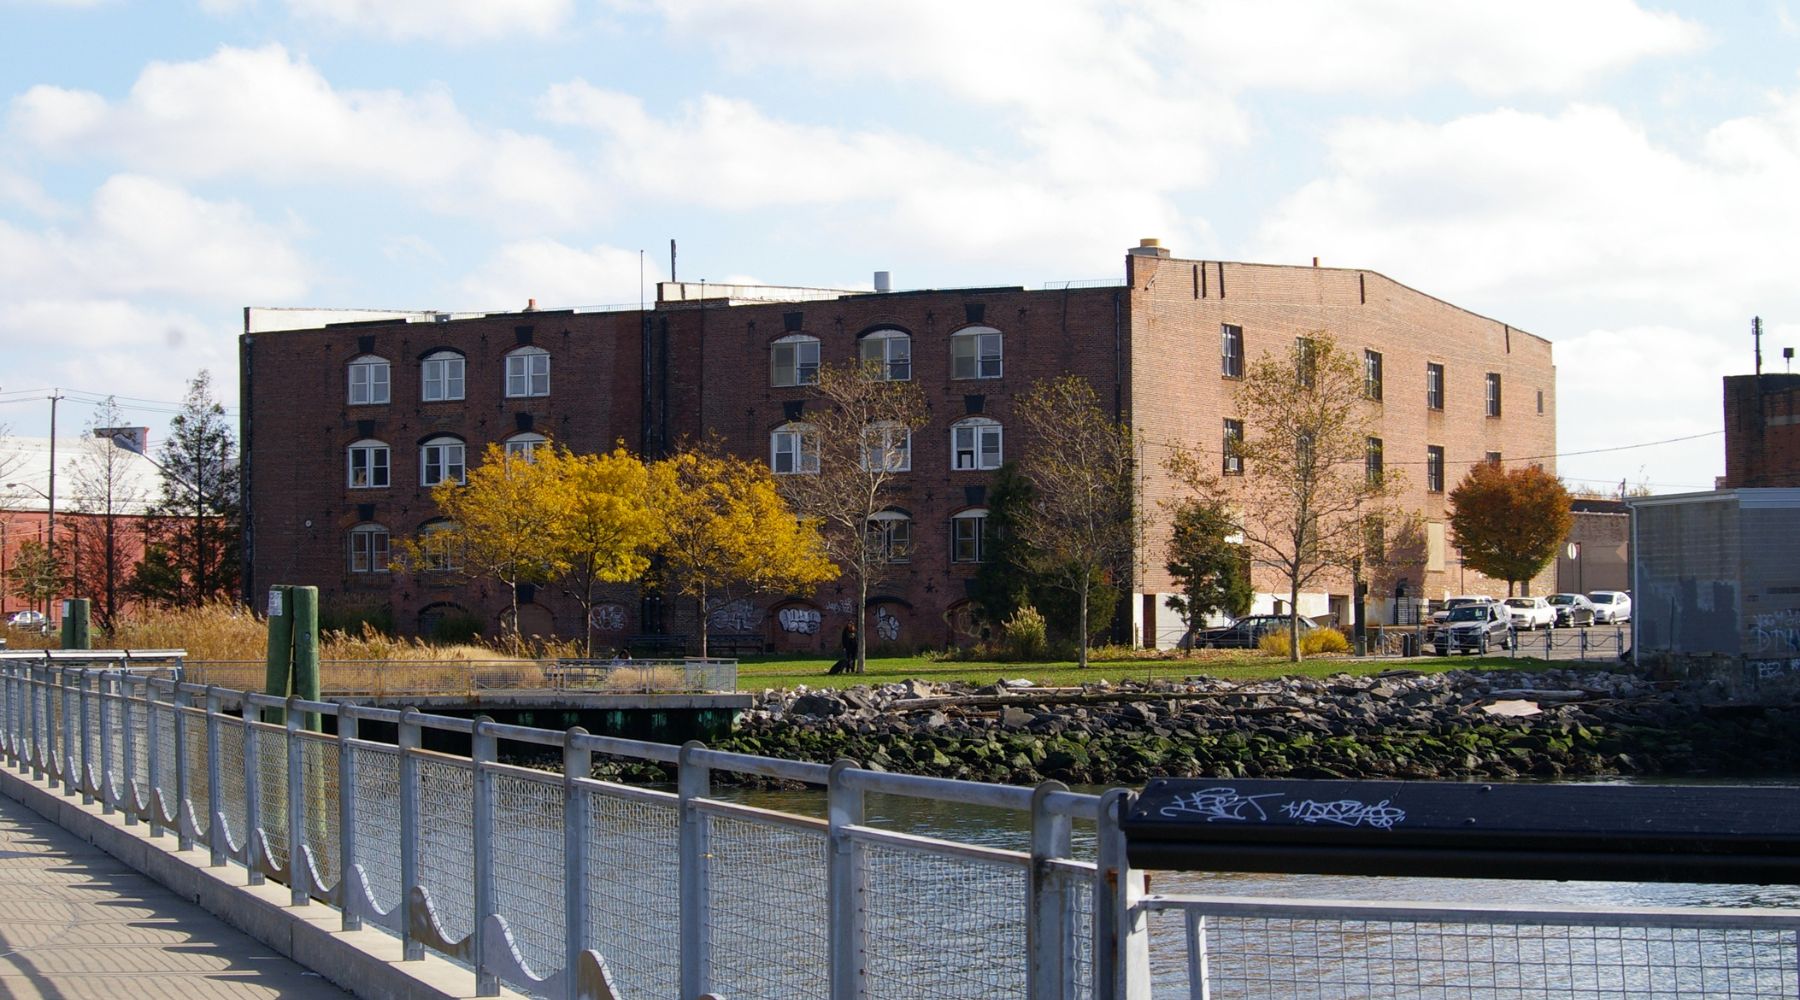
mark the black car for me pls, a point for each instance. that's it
(1246, 632)
(1473, 628)
(1572, 609)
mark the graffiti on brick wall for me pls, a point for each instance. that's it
(841, 607)
(1770, 670)
(608, 617)
(1776, 630)
(886, 625)
(738, 616)
(801, 621)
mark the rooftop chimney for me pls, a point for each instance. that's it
(1148, 248)
(883, 282)
(1315, 262)
(531, 305)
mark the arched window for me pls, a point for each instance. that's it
(975, 444)
(438, 548)
(890, 536)
(888, 353)
(794, 360)
(368, 465)
(368, 380)
(968, 536)
(368, 549)
(524, 446)
(794, 448)
(440, 459)
(527, 373)
(887, 447)
(441, 376)
(975, 353)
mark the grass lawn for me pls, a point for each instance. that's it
(758, 672)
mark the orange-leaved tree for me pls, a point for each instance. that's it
(1509, 522)
(603, 522)
(729, 533)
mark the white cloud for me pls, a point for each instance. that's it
(559, 276)
(264, 114)
(445, 20)
(128, 349)
(141, 236)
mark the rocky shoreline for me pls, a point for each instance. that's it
(1460, 725)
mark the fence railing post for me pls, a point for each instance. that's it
(483, 751)
(848, 928)
(299, 877)
(103, 684)
(88, 770)
(1584, 645)
(349, 892)
(1048, 925)
(184, 830)
(578, 763)
(154, 763)
(253, 841)
(694, 782)
(412, 950)
(65, 696)
(1121, 931)
(218, 847)
(128, 751)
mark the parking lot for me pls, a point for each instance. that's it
(1585, 643)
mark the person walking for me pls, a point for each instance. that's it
(847, 644)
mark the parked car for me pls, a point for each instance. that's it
(1572, 609)
(1611, 606)
(1246, 632)
(29, 621)
(1452, 603)
(1530, 612)
(1473, 628)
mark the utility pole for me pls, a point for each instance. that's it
(1756, 334)
(50, 496)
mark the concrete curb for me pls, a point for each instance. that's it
(365, 963)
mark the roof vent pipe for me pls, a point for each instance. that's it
(883, 283)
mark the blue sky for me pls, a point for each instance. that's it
(1622, 178)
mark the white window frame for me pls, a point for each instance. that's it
(891, 350)
(1231, 350)
(798, 445)
(1493, 394)
(1232, 458)
(453, 454)
(447, 369)
(977, 353)
(377, 464)
(979, 540)
(524, 445)
(969, 441)
(369, 549)
(1434, 394)
(527, 373)
(801, 366)
(886, 447)
(371, 381)
(888, 525)
(443, 562)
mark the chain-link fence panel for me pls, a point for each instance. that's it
(193, 723)
(768, 916)
(634, 890)
(271, 786)
(528, 870)
(169, 758)
(1249, 958)
(915, 899)
(378, 821)
(447, 842)
(231, 785)
(319, 778)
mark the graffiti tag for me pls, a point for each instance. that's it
(804, 621)
(1345, 812)
(886, 625)
(608, 617)
(1218, 803)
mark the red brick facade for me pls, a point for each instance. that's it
(1762, 431)
(1150, 347)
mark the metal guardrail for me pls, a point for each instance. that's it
(1579, 643)
(565, 886)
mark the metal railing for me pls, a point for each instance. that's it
(561, 885)
(1579, 643)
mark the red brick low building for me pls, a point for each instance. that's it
(1762, 431)
(346, 425)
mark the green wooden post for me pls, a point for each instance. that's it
(281, 650)
(77, 619)
(305, 618)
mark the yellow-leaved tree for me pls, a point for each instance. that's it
(729, 534)
(603, 521)
(493, 528)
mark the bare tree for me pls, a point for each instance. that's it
(1313, 483)
(1079, 526)
(848, 454)
(106, 492)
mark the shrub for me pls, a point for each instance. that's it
(1319, 640)
(1024, 635)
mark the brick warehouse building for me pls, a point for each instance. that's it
(337, 471)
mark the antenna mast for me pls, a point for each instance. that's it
(1756, 332)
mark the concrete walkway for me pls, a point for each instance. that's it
(76, 924)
